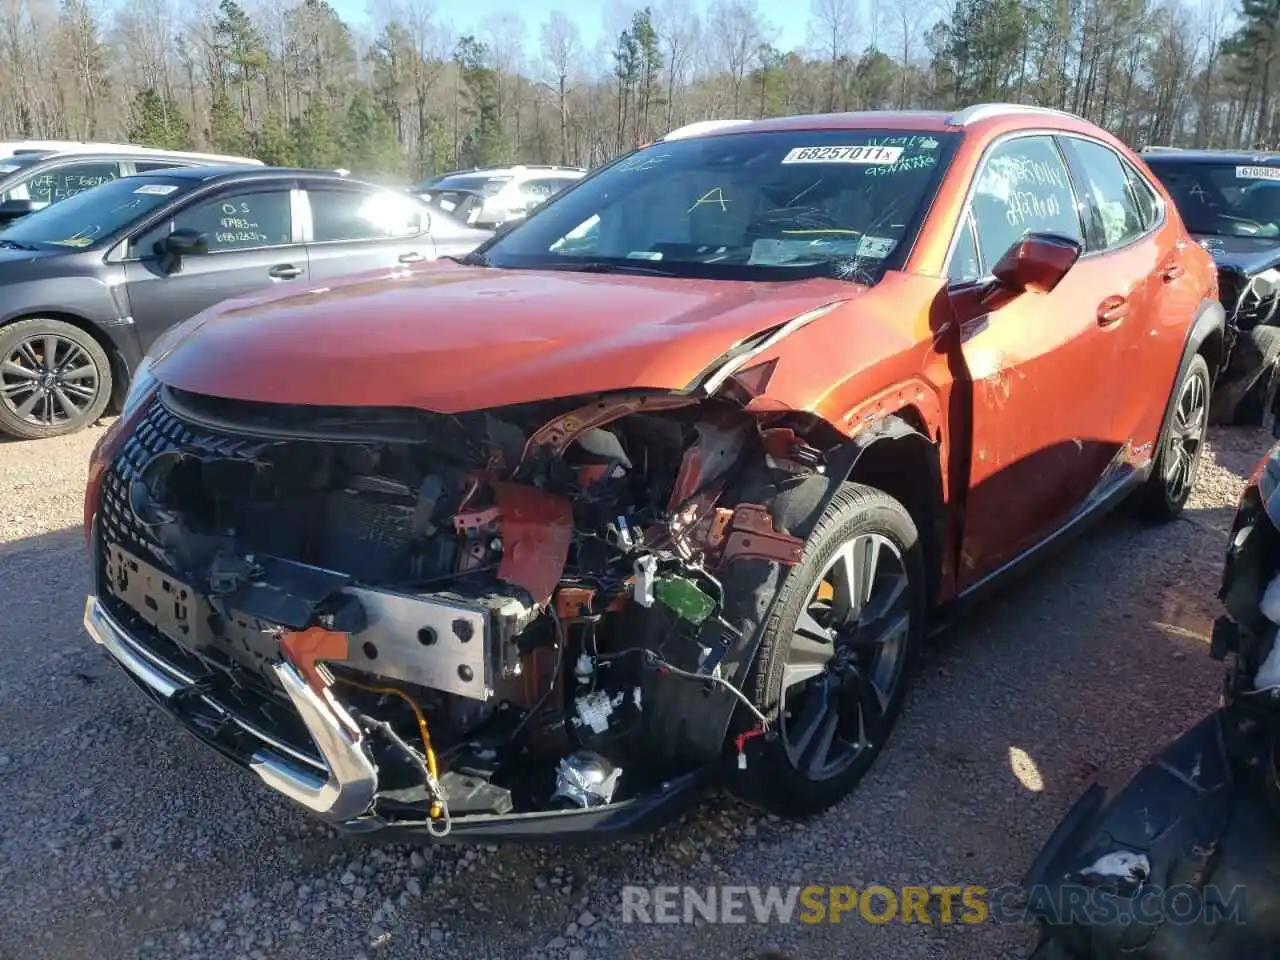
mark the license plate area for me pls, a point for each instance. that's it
(167, 604)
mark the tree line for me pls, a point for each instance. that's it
(404, 95)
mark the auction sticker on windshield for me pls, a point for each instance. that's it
(156, 189)
(1258, 173)
(863, 154)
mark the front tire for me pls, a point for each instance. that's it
(1164, 494)
(837, 654)
(55, 379)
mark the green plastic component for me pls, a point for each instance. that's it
(684, 597)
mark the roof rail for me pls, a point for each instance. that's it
(984, 111)
(700, 127)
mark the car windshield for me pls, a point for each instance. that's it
(93, 215)
(775, 205)
(1223, 198)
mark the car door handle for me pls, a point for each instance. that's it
(1172, 272)
(412, 257)
(1112, 310)
(285, 271)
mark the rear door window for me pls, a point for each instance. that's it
(362, 215)
(1108, 191)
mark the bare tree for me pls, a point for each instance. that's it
(832, 24)
(737, 34)
(908, 19)
(561, 48)
(679, 28)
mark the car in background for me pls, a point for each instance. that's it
(89, 283)
(34, 175)
(1230, 202)
(422, 185)
(528, 545)
(1199, 819)
(489, 198)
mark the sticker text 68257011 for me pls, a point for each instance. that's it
(850, 154)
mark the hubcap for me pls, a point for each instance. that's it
(48, 380)
(846, 658)
(1185, 438)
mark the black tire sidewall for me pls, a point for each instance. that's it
(1169, 508)
(771, 780)
(14, 333)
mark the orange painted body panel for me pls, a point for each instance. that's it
(449, 338)
(1030, 405)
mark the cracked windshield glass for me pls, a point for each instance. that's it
(756, 206)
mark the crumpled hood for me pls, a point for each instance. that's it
(450, 338)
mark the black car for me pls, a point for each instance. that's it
(34, 178)
(86, 285)
(1230, 203)
(1180, 861)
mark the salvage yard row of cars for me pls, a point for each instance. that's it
(666, 483)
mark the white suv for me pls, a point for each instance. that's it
(37, 173)
(490, 198)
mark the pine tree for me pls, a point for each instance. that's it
(158, 122)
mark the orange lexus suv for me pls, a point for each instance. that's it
(667, 483)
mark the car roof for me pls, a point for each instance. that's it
(45, 150)
(1255, 158)
(980, 118)
(238, 172)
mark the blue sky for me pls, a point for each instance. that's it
(591, 15)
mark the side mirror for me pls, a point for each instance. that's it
(1035, 263)
(12, 210)
(179, 244)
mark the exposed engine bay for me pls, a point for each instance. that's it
(1183, 860)
(518, 610)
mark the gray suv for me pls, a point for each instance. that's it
(89, 283)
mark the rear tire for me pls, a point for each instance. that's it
(1164, 494)
(55, 379)
(837, 655)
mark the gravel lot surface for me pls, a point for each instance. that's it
(122, 837)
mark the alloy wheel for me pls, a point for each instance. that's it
(847, 657)
(48, 380)
(1185, 438)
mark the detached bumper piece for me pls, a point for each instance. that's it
(337, 783)
(334, 776)
(1181, 862)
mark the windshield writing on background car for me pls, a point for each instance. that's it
(93, 215)
(1224, 198)
(762, 205)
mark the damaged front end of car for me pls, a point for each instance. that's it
(1181, 861)
(509, 624)
(1246, 382)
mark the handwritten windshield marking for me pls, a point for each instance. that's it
(714, 195)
